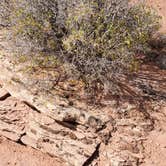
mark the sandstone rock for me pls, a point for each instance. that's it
(29, 141)
(10, 135)
(53, 138)
(19, 122)
(53, 125)
(25, 88)
(12, 118)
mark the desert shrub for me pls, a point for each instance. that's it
(97, 40)
(5, 10)
(34, 26)
(104, 37)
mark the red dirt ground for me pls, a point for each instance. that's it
(160, 5)
(13, 154)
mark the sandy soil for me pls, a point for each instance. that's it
(160, 5)
(155, 144)
(13, 154)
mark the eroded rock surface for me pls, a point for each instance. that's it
(18, 122)
(72, 144)
(122, 141)
(52, 124)
(13, 118)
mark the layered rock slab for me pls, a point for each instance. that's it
(13, 118)
(19, 122)
(25, 88)
(74, 145)
(53, 125)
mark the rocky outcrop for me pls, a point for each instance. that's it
(13, 118)
(73, 144)
(125, 147)
(121, 141)
(50, 124)
(20, 123)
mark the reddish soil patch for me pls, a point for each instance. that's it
(13, 154)
(160, 5)
(155, 145)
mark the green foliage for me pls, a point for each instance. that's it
(5, 10)
(96, 40)
(33, 26)
(104, 37)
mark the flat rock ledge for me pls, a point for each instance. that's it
(21, 123)
(46, 121)
(119, 143)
